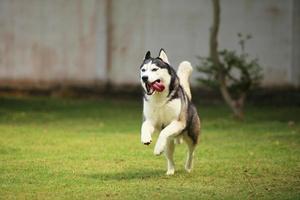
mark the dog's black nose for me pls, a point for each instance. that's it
(145, 78)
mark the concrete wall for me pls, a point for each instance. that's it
(93, 41)
(295, 67)
(270, 24)
(50, 42)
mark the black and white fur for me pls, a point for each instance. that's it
(170, 111)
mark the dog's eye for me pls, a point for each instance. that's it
(154, 70)
(143, 70)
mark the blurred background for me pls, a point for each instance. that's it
(89, 148)
(92, 43)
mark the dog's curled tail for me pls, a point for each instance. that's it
(184, 71)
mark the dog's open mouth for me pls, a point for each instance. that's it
(154, 86)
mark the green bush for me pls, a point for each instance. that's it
(235, 74)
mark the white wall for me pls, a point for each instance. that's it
(182, 28)
(59, 42)
(295, 72)
(270, 24)
(52, 41)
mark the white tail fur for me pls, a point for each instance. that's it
(184, 71)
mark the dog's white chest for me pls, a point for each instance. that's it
(162, 114)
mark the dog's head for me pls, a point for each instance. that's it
(156, 73)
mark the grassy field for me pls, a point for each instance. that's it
(90, 149)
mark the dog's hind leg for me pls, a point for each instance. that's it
(190, 154)
(178, 139)
(169, 156)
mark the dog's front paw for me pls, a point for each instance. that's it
(147, 143)
(160, 147)
(146, 140)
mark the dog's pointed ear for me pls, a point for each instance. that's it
(163, 56)
(148, 55)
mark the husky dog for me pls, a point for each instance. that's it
(167, 108)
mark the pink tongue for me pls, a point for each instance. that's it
(158, 86)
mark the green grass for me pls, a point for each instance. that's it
(90, 149)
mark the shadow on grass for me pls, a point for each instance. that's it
(127, 175)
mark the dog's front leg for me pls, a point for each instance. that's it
(173, 129)
(147, 131)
